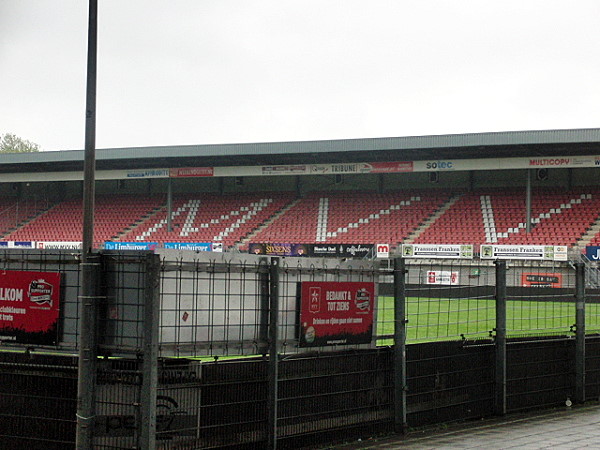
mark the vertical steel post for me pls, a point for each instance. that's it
(147, 425)
(86, 382)
(264, 292)
(500, 378)
(580, 332)
(169, 205)
(399, 345)
(528, 203)
(273, 351)
(88, 350)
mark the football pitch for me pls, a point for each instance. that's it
(435, 319)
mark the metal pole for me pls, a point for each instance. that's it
(528, 203)
(264, 292)
(500, 403)
(169, 205)
(580, 332)
(86, 383)
(400, 345)
(147, 428)
(273, 352)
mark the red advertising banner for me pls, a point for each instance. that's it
(391, 167)
(336, 313)
(29, 307)
(192, 172)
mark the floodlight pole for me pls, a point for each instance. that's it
(86, 381)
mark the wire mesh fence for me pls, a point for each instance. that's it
(219, 307)
(214, 345)
(451, 300)
(541, 299)
(592, 311)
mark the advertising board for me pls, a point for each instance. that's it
(437, 251)
(29, 307)
(66, 245)
(110, 245)
(442, 277)
(553, 280)
(194, 246)
(336, 313)
(593, 252)
(525, 252)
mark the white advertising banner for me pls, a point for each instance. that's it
(441, 165)
(438, 251)
(69, 245)
(442, 277)
(383, 250)
(527, 252)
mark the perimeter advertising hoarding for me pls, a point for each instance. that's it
(29, 307)
(593, 252)
(442, 277)
(526, 252)
(342, 250)
(279, 249)
(553, 280)
(318, 250)
(62, 245)
(437, 251)
(17, 244)
(110, 245)
(336, 313)
(195, 246)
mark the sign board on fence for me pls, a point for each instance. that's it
(526, 252)
(318, 250)
(195, 246)
(29, 307)
(17, 244)
(342, 250)
(382, 250)
(110, 245)
(442, 277)
(67, 245)
(336, 313)
(438, 251)
(553, 280)
(283, 249)
(593, 252)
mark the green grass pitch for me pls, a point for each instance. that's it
(432, 319)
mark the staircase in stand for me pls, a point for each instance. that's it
(416, 233)
(265, 224)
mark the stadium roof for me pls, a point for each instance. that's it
(456, 146)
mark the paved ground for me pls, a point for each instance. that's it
(565, 428)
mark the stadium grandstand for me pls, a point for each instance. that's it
(527, 187)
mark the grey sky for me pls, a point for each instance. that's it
(222, 71)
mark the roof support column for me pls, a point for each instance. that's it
(528, 202)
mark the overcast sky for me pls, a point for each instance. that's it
(223, 71)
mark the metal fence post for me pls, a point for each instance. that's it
(399, 345)
(147, 428)
(273, 351)
(88, 352)
(580, 332)
(263, 331)
(500, 378)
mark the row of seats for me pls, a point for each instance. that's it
(427, 216)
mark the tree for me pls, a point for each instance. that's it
(11, 143)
